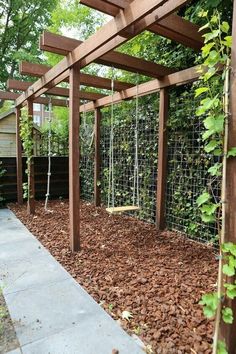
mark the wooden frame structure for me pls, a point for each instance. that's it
(129, 19)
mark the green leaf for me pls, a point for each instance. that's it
(211, 35)
(209, 209)
(209, 303)
(201, 90)
(211, 145)
(228, 270)
(228, 40)
(224, 27)
(227, 315)
(232, 152)
(230, 290)
(206, 49)
(215, 170)
(208, 218)
(221, 347)
(203, 198)
(215, 123)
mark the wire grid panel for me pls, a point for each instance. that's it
(87, 157)
(188, 166)
(124, 154)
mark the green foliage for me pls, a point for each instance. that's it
(26, 134)
(210, 304)
(227, 315)
(221, 347)
(21, 23)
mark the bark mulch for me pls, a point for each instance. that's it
(126, 265)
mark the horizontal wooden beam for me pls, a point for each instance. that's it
(58, 44)
(138, 16)
(55, 91)
(39, 70)
(179, 78)
(12, 96)
(173, 26)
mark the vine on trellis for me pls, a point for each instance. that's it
(26, 134)
(215, 110)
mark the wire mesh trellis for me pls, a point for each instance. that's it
(124, 154)
(188, 163)
(87, 157)
(188, 166)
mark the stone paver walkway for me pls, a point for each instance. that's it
(51, 312)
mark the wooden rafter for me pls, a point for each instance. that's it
(172, 27)
(137, 17)
(39, 70)
(63, 45)
(55, 91)
(12, 96)
(179, 78)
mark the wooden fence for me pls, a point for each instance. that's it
(59, 177)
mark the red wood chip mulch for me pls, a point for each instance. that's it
(126, 265)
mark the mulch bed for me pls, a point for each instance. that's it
(8, 339)
(126, 265)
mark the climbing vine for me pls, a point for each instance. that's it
(26, 134)
(214, 108)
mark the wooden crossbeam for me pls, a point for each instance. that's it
(12, 96)
(58, 44)
(179, 78)
(173, 26)
(139, 15)
(39, 70)
(55, 91)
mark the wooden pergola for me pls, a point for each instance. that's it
(130, 18)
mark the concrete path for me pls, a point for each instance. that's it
(51, 312)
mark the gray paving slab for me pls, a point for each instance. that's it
(33, 272)
(51, 312)
(89, 337)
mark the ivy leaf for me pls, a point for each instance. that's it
(201, 90)
(228, 41)
(209, 303)
(229, 247)
(224, 27)
(211, 145)
(208, 218)
(203, 198)
(206, 49)
(209, 209)
(232, 152)
(227, 315)
(211, 35)
(221, 347)
(230, 290)
(228, 270)
(215, 123)
(215, 170)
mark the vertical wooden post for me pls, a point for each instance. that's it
(31, 182)
(19, 158)
(229, 331)
(162, 159)
(74, 189)
(97, 158)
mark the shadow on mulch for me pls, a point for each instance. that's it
(126, 265)
(8, 339)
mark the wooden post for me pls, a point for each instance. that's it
(19, 158)
(31, 182)
(74, 189)
(162, 159)
(228, 332)
(97, 158)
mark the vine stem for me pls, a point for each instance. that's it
(223, 201)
